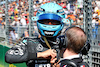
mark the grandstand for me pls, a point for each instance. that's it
(85, 12)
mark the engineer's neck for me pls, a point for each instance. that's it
(68, 53)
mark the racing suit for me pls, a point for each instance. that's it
(26, 51)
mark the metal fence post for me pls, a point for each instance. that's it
(30, 16)
(7, 22)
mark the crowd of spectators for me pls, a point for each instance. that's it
(18, 12)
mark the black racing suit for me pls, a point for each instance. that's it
(26, 51)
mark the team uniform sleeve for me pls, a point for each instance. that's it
(19, 53)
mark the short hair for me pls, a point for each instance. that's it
(76, 39)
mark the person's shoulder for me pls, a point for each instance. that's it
(77, 62)
(29, 39)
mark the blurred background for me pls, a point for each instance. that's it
(16, 23)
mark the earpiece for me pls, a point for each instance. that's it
(66, 39)
(85, 49)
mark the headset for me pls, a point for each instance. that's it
(72, 63)
(68, 62)
(85, 48)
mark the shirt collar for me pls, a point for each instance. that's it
(71, 57)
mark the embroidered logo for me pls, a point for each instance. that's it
(39, 47)
(65, 66)
(82, 66)
(57, 40)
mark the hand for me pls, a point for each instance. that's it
(56, 64)
(50, 53)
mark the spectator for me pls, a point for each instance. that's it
(12, 36)
(72, 18)
(1, 21)
(95, 24)
(23, 21)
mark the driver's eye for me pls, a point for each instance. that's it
(50, 22)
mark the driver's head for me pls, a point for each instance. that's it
(49, 21)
